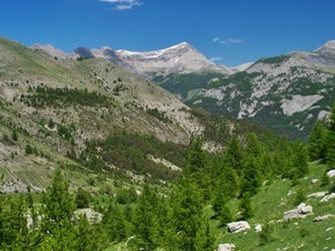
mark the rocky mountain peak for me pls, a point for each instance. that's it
(327, 50)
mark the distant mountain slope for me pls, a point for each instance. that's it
(287, 93)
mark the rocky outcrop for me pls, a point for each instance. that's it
(91, 215)
(331, 173)
(301, 211)
(323, 217)
(226, 247)
(238, 226)
(258, 228)
(328, 197)
(317, 195)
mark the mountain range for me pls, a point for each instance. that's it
(286, 93)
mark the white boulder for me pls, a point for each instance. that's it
(317, 195)
(328, 197)
(238, 226)
(323, 217)
(91, 215)
(331, 173)
(304, 209)
(258, 228)
(301, 211)
(226, 247)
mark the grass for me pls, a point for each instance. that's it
(269, 205)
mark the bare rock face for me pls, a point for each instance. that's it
(238, 226)
(226, 247)
(331, 173)
(301, 211)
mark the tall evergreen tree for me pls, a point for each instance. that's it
(57, 226)
(146, 220)
(115, 223)
(233, 156)
(187, 213)
(204, 238)
(317, 141)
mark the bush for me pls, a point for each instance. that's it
(83, 198)
(265, 235)
(29, 149)
(14, 135)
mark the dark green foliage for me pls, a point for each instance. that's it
(158, 114)
(324, 181)
(60, 97)
(265, 235)
(196, 157)
(28, 149)
(60, 204)
(146, 220)
(13, 222)
(250, 176)
(187, 214)
(317, 142)
(233, 156)
(205, 239)
(89, 236)
(65, 132)
(51, 123)
(114, 222)
(299, 160)
(300, 197)
(14, 135)
(83, 198)
(245, 207)
(330, 143)
(130, 151)
(126, 196)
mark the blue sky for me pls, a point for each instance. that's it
(232, 31)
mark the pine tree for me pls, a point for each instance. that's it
(245, 206)
(330, 144)
(89, 236)
(204, 238)
(13, 224)
(265, 235)
(317, 141)
(187, 213)
(233, 156)
(299, 161)
(250, 176)
(196, 158)
(115, 223)
(57, 226)
(146, 220)
(83, 198)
